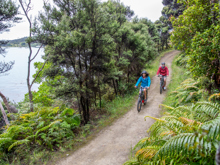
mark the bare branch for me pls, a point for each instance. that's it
(25, 11)
(4, 67)
(4, 114)
(5, 101)
(28, 6)
(38, 73)
(36, 53)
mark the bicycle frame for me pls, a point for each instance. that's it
(141, 99)
(141, 95)
(161, 83)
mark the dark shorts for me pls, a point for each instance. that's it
(164, 76)
(142, 88)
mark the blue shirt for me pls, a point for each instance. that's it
(145, 82)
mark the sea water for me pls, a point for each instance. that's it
(13, 84)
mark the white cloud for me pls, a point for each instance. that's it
(150, 9)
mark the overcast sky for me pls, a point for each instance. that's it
(142, 8)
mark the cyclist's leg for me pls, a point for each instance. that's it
(141, 90)
(145, 93)
(165, 80)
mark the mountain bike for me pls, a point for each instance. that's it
(161, 83)
(141, 99)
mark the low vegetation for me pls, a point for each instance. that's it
(188, 132)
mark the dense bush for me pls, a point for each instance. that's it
(48, 127)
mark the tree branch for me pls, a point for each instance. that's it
(6, 102)
(38, 73)
(36, 53)
(4, 114)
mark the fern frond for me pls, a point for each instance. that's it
(208, 108)
(166, 123)
(176, 146)
(19, 142)
(213, 128)
(168, 133)
(187, 121)
(67, 111)
(48, 126)
(166, 106)
(189, 80)
(133, 161)
(5, 140)
(141, 142)
(214, 95)
(157, 119)
(191, 87)
(147, 152)
(174, 92)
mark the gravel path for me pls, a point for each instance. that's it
(112, 145)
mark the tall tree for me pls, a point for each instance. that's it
(196, 32)
(80, 49)
(26, 7)
(171, 9)
(92, 48)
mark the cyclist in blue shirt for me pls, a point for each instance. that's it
(145, 83)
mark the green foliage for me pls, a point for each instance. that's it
(174, 138)
(187, 92)
(196, 32)
(92, 48)
(48, 127)
(44, 96)
(171, 9)
(9, 11)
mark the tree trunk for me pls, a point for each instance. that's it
(128, 75)
(87, 110)
(6, 102)
(31, 99)
(4, 114)
(100, 99)
(114, 87)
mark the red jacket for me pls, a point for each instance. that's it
(163, 71)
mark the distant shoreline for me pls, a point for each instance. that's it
(21, 46)
(21, 42)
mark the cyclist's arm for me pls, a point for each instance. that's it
(158, 70)
(138, 82)
(149, 82)
(167, 72)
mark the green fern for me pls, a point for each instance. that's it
(133, 161)
(207, 110)
(181, 135)
(19, 142)
(46, 127)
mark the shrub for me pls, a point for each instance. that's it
(48, 127)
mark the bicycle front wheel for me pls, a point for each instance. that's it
(139, 104)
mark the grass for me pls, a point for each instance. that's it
(179, 74)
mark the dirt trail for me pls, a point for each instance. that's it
(112, 146)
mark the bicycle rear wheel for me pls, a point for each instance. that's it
(161, 88)
(139, 104)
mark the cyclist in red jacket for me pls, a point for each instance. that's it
(163, 71)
